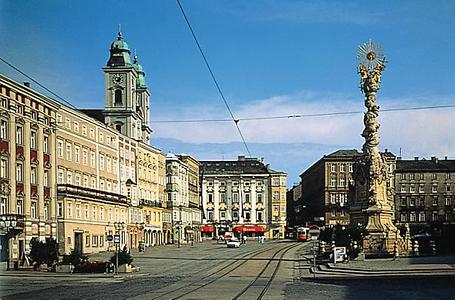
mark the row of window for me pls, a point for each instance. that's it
(235, 197)
(4, 172)
(343, 182)
(422, 217)
(421, 188)
(96, 213)
(340, 213)
(421, 201)
(96, 240)
(235, 216)
(20, 136)
(110, 140)
(342, 167)
(421, 176)
(20, 208)
(341, 198)
(85, 181)
(245, 183)
(111, 163)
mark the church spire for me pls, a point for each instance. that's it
(140, 81)
(119, 52)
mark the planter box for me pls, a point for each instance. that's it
(64, 268)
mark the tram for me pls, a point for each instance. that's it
(302, 234)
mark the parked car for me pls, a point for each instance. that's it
(233, 243)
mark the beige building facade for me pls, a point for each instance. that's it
(237, 196)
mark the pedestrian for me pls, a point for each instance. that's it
(262, 239)
(244, 239)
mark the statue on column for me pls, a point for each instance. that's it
(372, 203)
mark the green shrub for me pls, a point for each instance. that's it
(75, 258)
(124, 257)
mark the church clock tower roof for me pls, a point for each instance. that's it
(120, 53)
(140, 81)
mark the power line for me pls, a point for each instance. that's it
(37, 82)
(296, 116)
(236, 121)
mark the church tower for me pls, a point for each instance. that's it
(127, 96)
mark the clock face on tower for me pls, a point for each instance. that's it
(117, 79)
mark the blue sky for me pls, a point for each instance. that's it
(270, 57)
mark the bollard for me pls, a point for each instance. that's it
(433, 247)
(395, 249)
(415, 248)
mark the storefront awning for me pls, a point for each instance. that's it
(249, 228)
(207, 228)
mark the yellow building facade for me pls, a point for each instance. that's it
(88, 183)
(150, 193)
(278, 204)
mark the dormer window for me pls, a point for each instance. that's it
(118, 98)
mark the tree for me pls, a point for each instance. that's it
(43, 252)
(124, 257)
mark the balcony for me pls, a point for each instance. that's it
(47, 160)
(20, 153)
(69, 189)
(47, 192)
(150, 203)
(34, 156)
(4, 147)
(20, 189)
(34, 190)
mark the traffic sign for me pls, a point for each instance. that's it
(117, 239)
(109, 238)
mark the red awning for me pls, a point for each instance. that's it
(249, 228)
(207, 228)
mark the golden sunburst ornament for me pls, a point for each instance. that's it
(371, 54)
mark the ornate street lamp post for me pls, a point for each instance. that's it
(119, 226)
(8, 224)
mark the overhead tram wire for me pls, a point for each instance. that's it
(297, 116)
(236, 121)
(37, 82)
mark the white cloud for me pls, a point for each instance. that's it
(419, 132)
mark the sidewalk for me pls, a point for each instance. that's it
(104, 256)
(374, 268)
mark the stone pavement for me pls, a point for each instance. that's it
(374, 268)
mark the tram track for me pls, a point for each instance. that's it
(231, 266)
(271, 278)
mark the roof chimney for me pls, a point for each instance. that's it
(434, 158)
(445, 157)
(27, 84)
(416, 158)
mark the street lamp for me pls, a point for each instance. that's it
(119, 226)
(8, 224)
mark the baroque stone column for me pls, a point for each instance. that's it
(372, 197)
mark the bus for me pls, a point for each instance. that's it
(302, 234)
